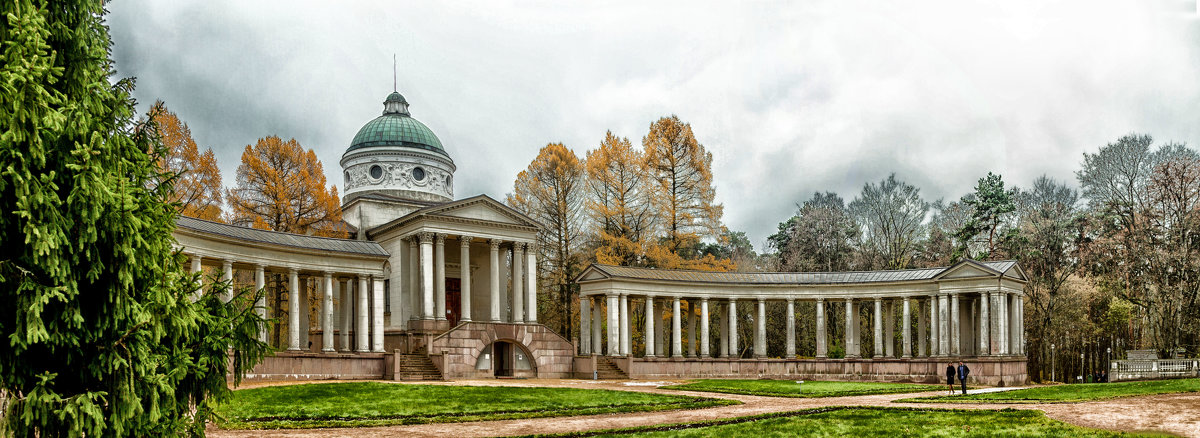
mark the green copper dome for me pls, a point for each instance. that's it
(396, 128)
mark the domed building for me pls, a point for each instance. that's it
(445, 287)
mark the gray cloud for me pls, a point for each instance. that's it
(791, 98)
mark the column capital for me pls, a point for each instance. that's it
(733, 299)
(328, 274)
(465, 241)
(849, 300)
(293, 271)
(425, 237)
(790, 300)
(227, 264)
(703, 299)
(495, 243)
(820, 300)
(531, 246)
(878, 299)
(519, 246)
(439, 238)
(761, 299)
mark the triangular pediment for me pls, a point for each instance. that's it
(967, 269)
(1016, 272)
(592, 273)
(482, 208)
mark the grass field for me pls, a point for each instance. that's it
(378, 404)
(789, 388)
(1071, 393)
(889, 422)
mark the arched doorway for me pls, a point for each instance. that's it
(511, 359)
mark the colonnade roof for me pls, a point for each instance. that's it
(360, 247)
(1005, 268)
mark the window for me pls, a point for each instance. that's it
(376, 172)
(387, 296)
(418, 174)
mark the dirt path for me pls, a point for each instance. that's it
(1174, 413)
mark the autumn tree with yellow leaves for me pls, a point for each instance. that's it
(682, 195)
(197, 185)
(281, 187)
(552, 190)
(618, 201)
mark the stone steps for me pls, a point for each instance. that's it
(416, 367)
(606, 370)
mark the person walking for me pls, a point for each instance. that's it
(963, 372)
(950, 377)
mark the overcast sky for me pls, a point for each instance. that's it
(790, 98)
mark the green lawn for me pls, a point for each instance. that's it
(889, 422)
(377, 404)
(1071, 393)
(810, 388)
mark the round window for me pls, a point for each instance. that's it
(376, 172)
(419, 174)
(347, 175)
(448, 180)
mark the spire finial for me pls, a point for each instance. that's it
(394, 72)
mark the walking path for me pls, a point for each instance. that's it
(1174, 413)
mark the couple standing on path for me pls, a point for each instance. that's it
(962, 373)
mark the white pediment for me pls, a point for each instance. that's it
(483, 208)
(481, 212)
(966, 269)
(591, 273)
(1016, 272)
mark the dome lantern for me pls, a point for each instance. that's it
(395, 104)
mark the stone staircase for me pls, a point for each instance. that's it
(416, 367)
(606, 370)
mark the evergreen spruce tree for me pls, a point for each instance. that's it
(102, 333)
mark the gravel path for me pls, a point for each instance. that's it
(1173, 413)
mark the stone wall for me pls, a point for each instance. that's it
(552, 354)
(1001, 371)
(316, 366)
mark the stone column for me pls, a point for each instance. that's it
(1004, 332)
(293, 310)
(414, 278)
(984, 328)
(439, 277)
(428, 309)
(663, 347)
(704, 328)
(933, 327)
(377, 316)
(676, 323)
(878, 328)
(1019, 339)
(624, 325)
(464, 275)
(362, 333)
(531, 304)
(790, 350)
(260, 305)
(760, 330)
(906, 329)
(822, 333)
(585, 329)
(195, 269)
(955, 332)
(850, 328)
(649, 326)
(494, 286)
(857, 326)
(518, 289)
(732, 329)
(347, 298)
(691, 308)
(597, 340)
(944, 325)
(921, 330)
(614, 338)
(327, 315)
(227, 277)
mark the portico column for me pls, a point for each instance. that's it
(439, 277)
(1020, 323)
(494, 285)
(790, 350)
(889, 328)
(760, 331)
(464, 275)
(906, 350)
(624, 325)
(691, 309)
(822, 334)
(414, 278)
(933, 326)
(227, 277)
(518, 290)
(585, 329)
(732, 331)
(597, 340)
(260, 305)
(676, 326)
(1004, 323)
(327, 314)
(196, 259)
(704, 328)
(723, 342)
(293, 310)
(943, 325)
(614, 338)
(531, 303)
(377, 315)
(921, 330)
(649, 326)
(426, 276)
(955, 346)
(362, 331)
(878, 328)
(347, 311)
(850, 328)
(985, 347)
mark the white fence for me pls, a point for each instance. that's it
(1153, 369)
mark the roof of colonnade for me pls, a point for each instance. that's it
(272, 249)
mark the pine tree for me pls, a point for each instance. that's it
(102, 334)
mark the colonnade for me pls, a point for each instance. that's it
(427, 277)
(359, 307)
(977, 323)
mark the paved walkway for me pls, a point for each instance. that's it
(1174, 413)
